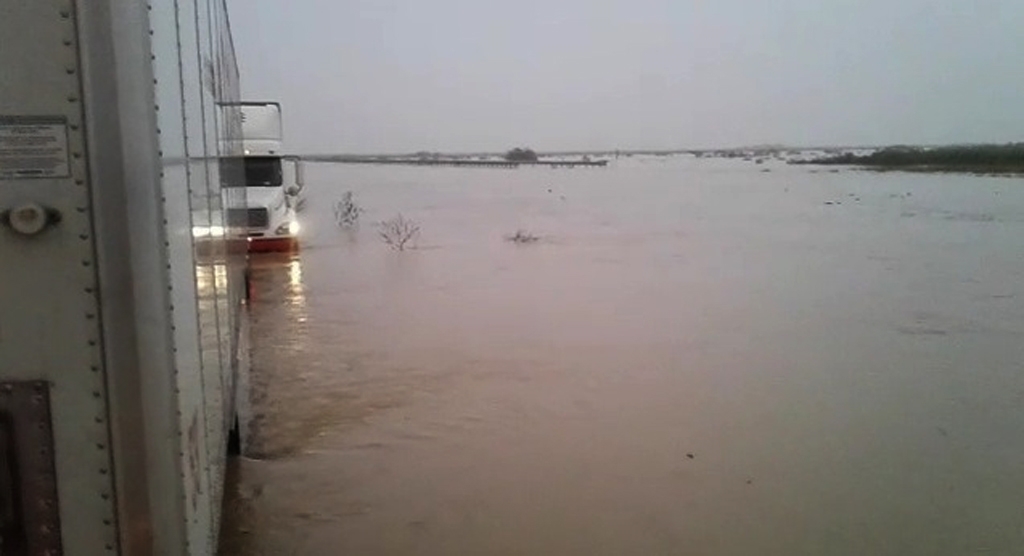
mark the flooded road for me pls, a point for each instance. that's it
(696, 358)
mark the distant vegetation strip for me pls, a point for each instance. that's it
(998, 159)
(511, 159)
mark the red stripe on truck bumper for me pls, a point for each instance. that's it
(273, 244)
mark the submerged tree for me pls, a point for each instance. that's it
(522, 236)
(346, 211)
(398, 231)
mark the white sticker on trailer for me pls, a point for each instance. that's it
(34, 147)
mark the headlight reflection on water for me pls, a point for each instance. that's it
(295, 276)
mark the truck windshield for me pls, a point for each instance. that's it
(254, 171)
(263, 171)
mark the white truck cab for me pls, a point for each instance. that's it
(273, 181)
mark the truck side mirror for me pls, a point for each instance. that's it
(300, 173)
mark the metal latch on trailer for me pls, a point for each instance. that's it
(29, 219)
(29, 513)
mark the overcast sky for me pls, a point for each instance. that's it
(475, 75)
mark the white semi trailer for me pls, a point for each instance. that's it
(123, 336)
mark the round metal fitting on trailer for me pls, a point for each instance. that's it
(29, 219)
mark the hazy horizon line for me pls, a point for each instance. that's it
(555, 152)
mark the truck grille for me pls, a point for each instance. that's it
(249, 218)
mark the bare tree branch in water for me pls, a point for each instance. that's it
(398, 231)
(522, 236)
(346, 211)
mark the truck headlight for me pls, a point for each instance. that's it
(208, 231)
(292, 228)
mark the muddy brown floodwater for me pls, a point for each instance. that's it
(697, 358)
